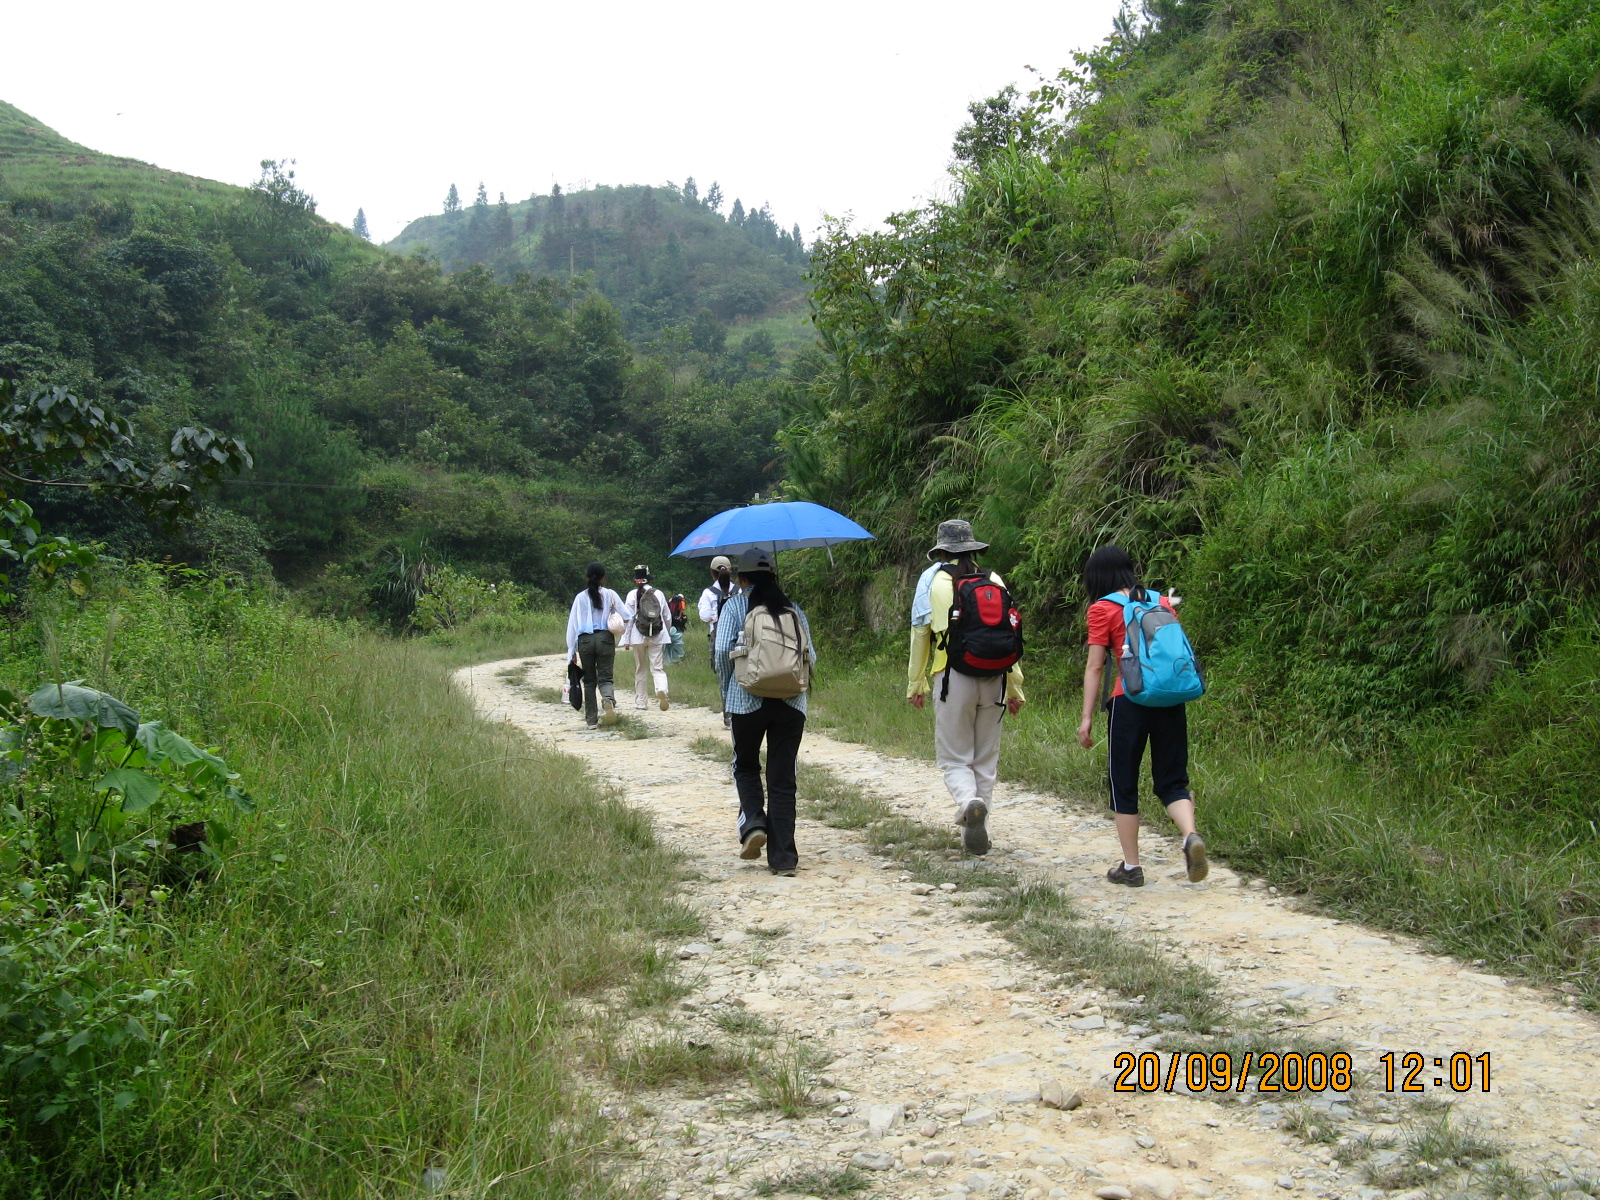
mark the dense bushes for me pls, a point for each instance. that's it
(342, 366)
(1296, 303)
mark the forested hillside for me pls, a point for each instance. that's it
(401, 417)
(1301, 303)
(663, 255)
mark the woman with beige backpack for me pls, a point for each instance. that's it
(763, 657)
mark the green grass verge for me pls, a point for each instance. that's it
(378, 980)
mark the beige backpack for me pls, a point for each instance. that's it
(772, 658)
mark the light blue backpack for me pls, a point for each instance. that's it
(1158, 665)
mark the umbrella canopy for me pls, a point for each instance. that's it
(786, 525)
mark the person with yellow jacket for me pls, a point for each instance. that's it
(967, 709)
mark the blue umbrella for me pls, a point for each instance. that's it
(786, 525)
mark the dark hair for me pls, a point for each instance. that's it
(595, 573)
(1109, 569)
(764, 589)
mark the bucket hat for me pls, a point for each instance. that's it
(955, 537)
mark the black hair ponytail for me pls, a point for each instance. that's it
(595, 573)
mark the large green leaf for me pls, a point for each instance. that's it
(139, 790)
(162, 745)
(74, 702)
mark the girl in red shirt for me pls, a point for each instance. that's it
(1130, 726)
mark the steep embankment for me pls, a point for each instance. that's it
(1298, 301)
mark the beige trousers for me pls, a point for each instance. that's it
(966, 734)
(649, 666)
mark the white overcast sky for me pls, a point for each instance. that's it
(837, 106)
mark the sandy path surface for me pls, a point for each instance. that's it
(938, 1034)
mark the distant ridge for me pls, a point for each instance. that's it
(661, 254)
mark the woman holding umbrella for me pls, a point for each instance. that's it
(765, 821)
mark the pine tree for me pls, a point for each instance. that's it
(736, 214)
(532, 219)
(503, 232)
(359, 225)
(691, 193)
(714, 197)
(452, 202)
(799, 244)
(558, 204)
(483, 196)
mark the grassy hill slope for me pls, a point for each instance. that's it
(36, 161)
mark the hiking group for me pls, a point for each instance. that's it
(965, 659)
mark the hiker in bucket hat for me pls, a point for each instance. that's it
(968, 702)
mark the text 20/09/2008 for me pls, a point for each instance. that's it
(1293, 1071)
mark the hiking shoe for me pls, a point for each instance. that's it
(789, 871)
(1194, 857)
(1121, 874)
(610, 717)
(974, 822)
(754, 842)
(661, 697)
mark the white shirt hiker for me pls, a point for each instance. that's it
(632, 636)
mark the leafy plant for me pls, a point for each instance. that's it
(88, 765)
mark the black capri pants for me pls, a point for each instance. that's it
(1130, 728)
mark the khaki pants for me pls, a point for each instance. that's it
(649, 667)
(966, 734)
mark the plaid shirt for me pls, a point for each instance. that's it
(729, 626)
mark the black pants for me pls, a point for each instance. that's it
(597, 652)
(1129, 727)
(783, 727)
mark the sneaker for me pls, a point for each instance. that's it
(641, 705)
(754, 842)
(727, 719)
(1121, 874)
(974, 820)
(661, 697)
(1194, 857)
(610, 717)
(593, 724)
(788, 871)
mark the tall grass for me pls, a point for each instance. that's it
(380, 976)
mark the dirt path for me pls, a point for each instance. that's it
(938, 1034)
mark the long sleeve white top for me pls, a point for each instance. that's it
(632, 637)
(589, 618)
(709, 601)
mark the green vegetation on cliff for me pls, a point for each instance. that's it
(1299, 302)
